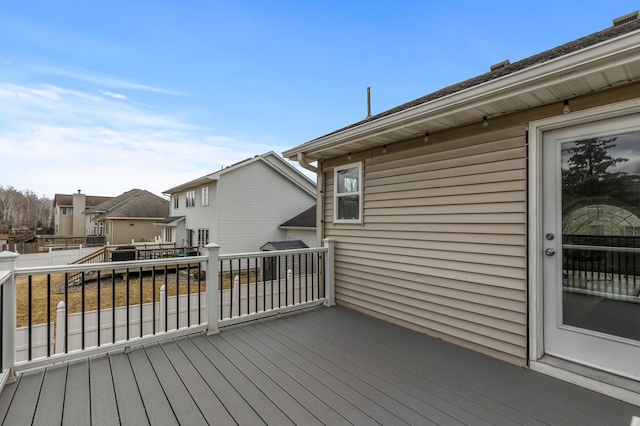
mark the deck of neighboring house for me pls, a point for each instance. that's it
(319, 366)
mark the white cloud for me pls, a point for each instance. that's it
(113, 95)
(55, 140)
(104, 80)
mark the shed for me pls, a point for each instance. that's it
(276, 267)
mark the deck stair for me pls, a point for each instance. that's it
(117, 253)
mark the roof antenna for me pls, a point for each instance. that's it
(368, 102)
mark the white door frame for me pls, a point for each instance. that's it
(536, 238)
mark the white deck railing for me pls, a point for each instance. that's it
(240, 287)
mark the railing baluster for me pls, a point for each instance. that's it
(255, 273)
(188, 294)
(166, 299)
(153, 300)
(66, 313)
(199, 293)
(141, 300)
(239, 287)
(98, 318)
(127, 298)
(178, 296)
(48, 316)
(248, 273)
(30, 314)
(82, 309)
(2, 330)
(279, 282)
(113, 305)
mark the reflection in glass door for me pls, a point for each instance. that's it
(601, 234)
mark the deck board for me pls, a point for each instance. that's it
(104, 410)
(51, 400)
(185, 410)
(348, 412)
(205, 399)
(269, 412)
(77, 396)
(321, 412)
(155, 401)
(424, 392)
(322, 366)
(25, 400)
(130, 406)
(235, 404)
(468, 404)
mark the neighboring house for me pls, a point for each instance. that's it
(130, 216)
(70, 214)
(239, 207)
(301, 227)
(454, 214)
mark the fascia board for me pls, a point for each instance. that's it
(595, 58)
(192, 184)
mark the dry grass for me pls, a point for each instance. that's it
(39, 294)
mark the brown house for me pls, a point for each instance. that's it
(502, 213)
(71, 217)
(130, 216)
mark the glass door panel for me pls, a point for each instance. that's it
(600, 186)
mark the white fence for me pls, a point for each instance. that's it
(54, 257)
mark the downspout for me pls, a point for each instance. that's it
(302, 160)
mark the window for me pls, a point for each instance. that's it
(168, 235)
(67, 211)
(191, 198)
(203, 237)
(176, 201)
(347, 199)
(205, 196)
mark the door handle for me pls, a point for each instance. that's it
(549, 252)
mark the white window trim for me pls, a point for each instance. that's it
(359, 165)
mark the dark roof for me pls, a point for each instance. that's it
(283, 245)
(67, 200)
(169, 219)
(540, 58)
(306, 219)
(136, 203)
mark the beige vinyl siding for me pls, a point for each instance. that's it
(442, 247)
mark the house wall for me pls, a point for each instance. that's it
(197, 217)
(253, 201)
(442, 247)
(63, 223)
(79, 219)
(307, 236)
(122, 231)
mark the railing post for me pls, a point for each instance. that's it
(162, 311)
(60, 327)
(8, 263)
(213, 251)
(329, 272)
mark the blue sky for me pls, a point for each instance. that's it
(110, 96)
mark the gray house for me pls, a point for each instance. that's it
(502, 213)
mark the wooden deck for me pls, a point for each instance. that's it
(324, 366)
